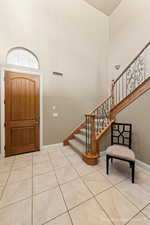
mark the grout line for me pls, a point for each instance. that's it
(13, 203)
(113, 186)
(101, 207)
(10, 171)
(127, 198)
(94, 197)
(132, 218)
(144, 214)
(59, 185)
(62, 195)
(54, 218)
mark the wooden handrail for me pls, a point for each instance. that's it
(118, 78)
(98, 106)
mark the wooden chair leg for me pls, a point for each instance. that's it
(107, 164)
(133, 171)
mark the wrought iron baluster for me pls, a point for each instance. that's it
(126, 84)
(88, 133)
(122, 88)
(119, 91)
(116, 93)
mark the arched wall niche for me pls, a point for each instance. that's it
(20, 56)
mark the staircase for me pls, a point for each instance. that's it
(133, 82)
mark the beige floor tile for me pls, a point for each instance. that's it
(114, 176)
(3, 178)
(25, 156)
(89, 213)
(140, 219)
(96, 182)
(75, 192)
(143, 180)
(50, 150)
(118, 171)
(17, 214)
(6, 164)
(40, 158)
(102, 163)
(40, 153)
(44, 182)
(43, 167)
(144, 170)
(68, 151)
(84, 169)
(75, 160)
(47, 206)
(7, 160)
(1, 189)
(66, 174)
(146, 211)
(54, 148)
(56, 155)
(60, 162)
(135, 193)
(20, 174)
(21, 163)
(117, 207)
(15, 192)
(61, 220)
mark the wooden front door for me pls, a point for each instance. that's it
(22, 113)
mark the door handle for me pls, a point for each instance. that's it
(37, 118)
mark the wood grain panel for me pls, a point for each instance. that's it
(22, 113)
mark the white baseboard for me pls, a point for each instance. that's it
(44, 147)
(103, 153)
(143, 165)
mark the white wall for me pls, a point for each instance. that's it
(68, 36)
(129, 33)
(138, 114)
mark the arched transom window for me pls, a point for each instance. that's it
(22, 57)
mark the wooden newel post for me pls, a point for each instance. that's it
(91, 157)
(112, 92)
(93, 136)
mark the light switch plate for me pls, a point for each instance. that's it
(55, 115)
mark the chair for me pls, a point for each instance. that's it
(121, 146)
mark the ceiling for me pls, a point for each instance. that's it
(106, 6)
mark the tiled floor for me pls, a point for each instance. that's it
(55, 187)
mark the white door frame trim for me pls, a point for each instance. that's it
(2, 97)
